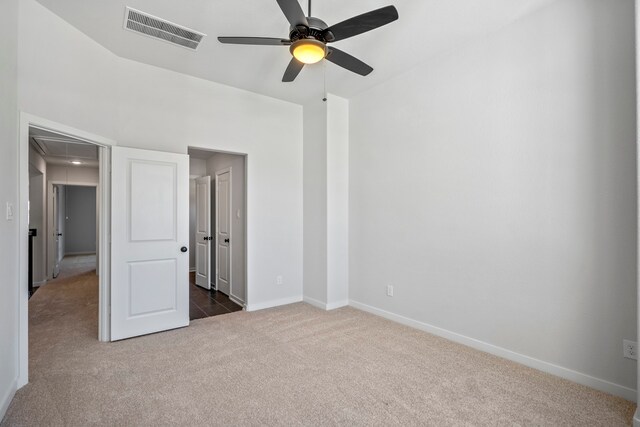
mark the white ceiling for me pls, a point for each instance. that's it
(62, 150)
(425, 28)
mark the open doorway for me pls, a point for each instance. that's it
(74, 233)
(63, 208)
(65, 223)
(217, 232)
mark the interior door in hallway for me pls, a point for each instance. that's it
(223, 231)
(149, 242)
(57, 232)
(203, 232)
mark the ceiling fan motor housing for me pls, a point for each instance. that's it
(315, 30)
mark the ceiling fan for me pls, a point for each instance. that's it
(309, 36)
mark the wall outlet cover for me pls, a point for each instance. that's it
(389, 290)
(630, 349)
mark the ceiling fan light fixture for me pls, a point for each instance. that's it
(308, 51)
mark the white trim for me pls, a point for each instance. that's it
(273, 303)
(237, 300)
(104, 245)
(7, 398)
(40, 283)
(79, 253)
(325, 306)
(636, 418)
(314, 302)
(192, 269)
(571, 375)
(337, 304)
(27, 121)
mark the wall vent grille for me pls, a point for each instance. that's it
(152, 26)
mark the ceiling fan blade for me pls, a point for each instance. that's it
(348, 62)
(292, 71)
(293, 11)
(362, 23)
(262, 41)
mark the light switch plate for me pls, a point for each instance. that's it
(9, 211)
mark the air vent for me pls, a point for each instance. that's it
(152, 26)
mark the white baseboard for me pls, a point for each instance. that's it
(337, 304)
(237, 300)
(314, 302)
(571, 375)
(7, 398)
(192, 270)
(636, 418)
(325, 306)
(273, 303)
(78, 253)
(38, 284)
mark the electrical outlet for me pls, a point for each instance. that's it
(630, 349)
(279, 280)
(389, 290)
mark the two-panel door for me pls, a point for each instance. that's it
(149, 242)
(203, 232)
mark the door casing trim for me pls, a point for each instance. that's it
(26, 121)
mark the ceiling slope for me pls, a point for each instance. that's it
(425, 28)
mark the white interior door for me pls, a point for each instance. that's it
(203, 232)
(57, 232)
(149, 242)
(223, 231)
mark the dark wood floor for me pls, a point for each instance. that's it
(204, 303)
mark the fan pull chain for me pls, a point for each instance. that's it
(324, 78)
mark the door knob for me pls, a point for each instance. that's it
(183, 249)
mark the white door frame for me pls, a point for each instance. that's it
(50, 224)
(27, 121)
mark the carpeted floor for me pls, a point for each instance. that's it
(293, 365)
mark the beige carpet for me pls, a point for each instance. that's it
(293, 365)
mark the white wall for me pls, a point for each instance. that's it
(326, 202)
(216, 163)
(85, 86)
(495, 188)
(315, 203)
(337, 201)
(8, 194)
(636, 418)
(73, 174)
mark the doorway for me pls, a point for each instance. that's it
(63, 204)
(217, 232)
(74, 231)
(45, 156)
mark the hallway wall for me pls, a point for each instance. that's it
(9, 334)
